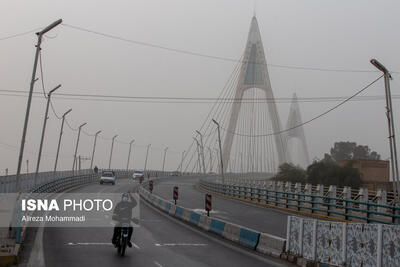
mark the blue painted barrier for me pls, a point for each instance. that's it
(179, 211)
(195, 218)
(248, 238)
(217, 226)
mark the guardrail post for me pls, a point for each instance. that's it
(346, 204)
(287, 189)
(297, 190)
(331, 202)
(279, 188)
(381, 195)
(363, 192)
(319, 193)
(308, 192)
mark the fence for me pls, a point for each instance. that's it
(343, 244)
(313, 202)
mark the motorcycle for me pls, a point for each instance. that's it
(122, 239)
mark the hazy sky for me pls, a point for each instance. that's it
(324, 34)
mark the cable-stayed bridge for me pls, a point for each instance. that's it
(242, 135)
(253, 139)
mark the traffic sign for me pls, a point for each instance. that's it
(208, 204)
(175, 194)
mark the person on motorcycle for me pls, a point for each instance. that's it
(123, 213)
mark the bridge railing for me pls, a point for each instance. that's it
(318, 203)
(249, 180)
(343, 244)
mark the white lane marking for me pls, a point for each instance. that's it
(158, 264)
(211, 211)
(96, 244)
(178, 244)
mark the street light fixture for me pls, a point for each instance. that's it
(94, 148)
(43, 131)
(77, 143)
(165, 154)
(59, 139)
(391, 128)
(145, 162)
(28, 106)
(112, 147)
(129, 154)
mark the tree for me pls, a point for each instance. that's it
(350, 150)
(289, 173)
(329, 173)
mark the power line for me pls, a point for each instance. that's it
(19, 34)
(306, 122)
(187, 52)
(207, 100)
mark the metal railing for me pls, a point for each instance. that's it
(323, 204)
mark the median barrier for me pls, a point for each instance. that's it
(261, 242)
(271, 245)
(231, 232)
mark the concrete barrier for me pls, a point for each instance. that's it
(217, 226)
(194, 218)
(261, 242)
(249, 238)
(204, 222)
(271, 245)
(231, 232)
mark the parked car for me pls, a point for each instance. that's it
(175, 173)
(107, 177)
(138, 175)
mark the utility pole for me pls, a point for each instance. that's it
(220, 150)
(391, 128)
(28, 106)
(165, 154)
(43, 131)
(94, 148)
(145, 162)
(202, 151)
(77, 143)
(129, 154)
(59, 139)
(112, 147)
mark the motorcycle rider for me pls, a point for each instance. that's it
(123, 213)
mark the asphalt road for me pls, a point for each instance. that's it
(159, 241)
(259, 218)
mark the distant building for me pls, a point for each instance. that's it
(374, 173)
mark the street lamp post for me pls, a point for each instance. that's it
(77, 143)
(202, 151)
(94, 148)
(165, 155)
(211, 159)
(28, 106)
(129, 154)
(145, 162)
(183, 157)
(198, 154)
(220, 151)
(43, 131)
(391, 128)
(111, 152)
(59, 139)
